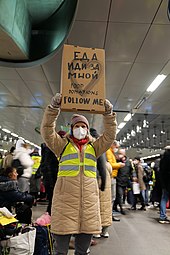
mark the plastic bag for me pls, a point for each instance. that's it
(136, 189)
(22, 244)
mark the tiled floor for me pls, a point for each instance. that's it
(137, 233)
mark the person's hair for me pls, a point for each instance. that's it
(8, 171)
(137, 158)
(115, 143)
(12, 149)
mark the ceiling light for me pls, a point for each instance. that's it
(121, 125)
(13, 134)
(6, 130)
(157, 81)
(141, 101)
(127, 117)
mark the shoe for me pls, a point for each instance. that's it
(142, 208)
(115, 218)
(164, 221)
(88, 251)
(105, 235)
(132, 208)
(151, 206)
(97, 236)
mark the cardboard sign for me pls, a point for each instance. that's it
(83, 79)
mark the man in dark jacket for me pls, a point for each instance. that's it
(122, 180)
(165, 183)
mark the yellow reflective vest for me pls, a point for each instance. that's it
(70, 163)
(37, 160)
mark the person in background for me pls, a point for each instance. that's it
(156, 192)
(1, 160)
(35, 179)
(7, 161)
(104, 179)
(122, 180)
(165, 183)
(9, 191)
(147, 178)
(112, 159)
(75, 204)
(22, 152)
(49, 169)
(138, 177)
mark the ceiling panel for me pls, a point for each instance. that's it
(116, 72)
(162, 17)
(20, 93)
(93, 10)
(52, 68)
(32, 74)
(124, 41)
(88, 34)
(156, 45)
(8, 73)
(134, 11)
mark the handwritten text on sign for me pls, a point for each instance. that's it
(83, 72)
(83, 79)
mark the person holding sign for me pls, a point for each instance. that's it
(75, 204)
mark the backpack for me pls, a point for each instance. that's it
(43, 241)
(23, 213)
(16, 163)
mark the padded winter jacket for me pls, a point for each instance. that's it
(10, 194)
(112, 160)
(75, 205)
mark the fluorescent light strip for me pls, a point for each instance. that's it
(127, 117)
(6, 130)
(13, 134)
(121, 125)
(157, 81)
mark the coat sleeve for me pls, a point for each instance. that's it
(112, 160)
(101, 167)
(48, 133)
(103, 143)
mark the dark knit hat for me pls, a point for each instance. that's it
(79, 118)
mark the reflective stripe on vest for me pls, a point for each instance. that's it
(70, 164)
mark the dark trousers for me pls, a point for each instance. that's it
(141, 198)
(120, 190)
(61, 244)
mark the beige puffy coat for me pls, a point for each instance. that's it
(75, 205)
(105, 199)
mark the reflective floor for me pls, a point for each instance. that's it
(137, 233)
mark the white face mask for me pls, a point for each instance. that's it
(115, 150)
(79, 133)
